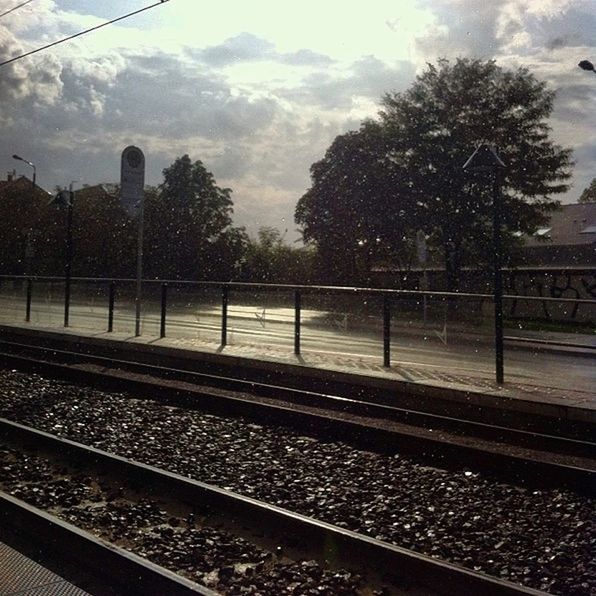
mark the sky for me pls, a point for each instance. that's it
(258, 90)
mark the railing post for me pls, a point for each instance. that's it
(498, 278)
(28, 305)
(111, 297)
(386, 331)
(297, 307)
(164, 299)
(224, 315)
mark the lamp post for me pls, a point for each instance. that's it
(19, 158)
(486, 159)
(66, 199)
(587, 65)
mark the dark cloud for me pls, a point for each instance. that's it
(471, 30)
(574, 28)
(250, 48)
(241, 48)
(368, 77)
(484, 29)
(558, 42)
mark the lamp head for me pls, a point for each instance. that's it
(483, 159)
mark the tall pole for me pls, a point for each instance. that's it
(486, 159)
(132, 181)
(498, 279)
(139, 271)
(68, 264)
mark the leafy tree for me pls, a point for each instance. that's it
(270, 260)
(104, 237)
(31, 232)
(187, 224)
(589, 193)
(427, 133)
(354, 210)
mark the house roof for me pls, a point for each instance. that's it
(573, 225)
(19, 184)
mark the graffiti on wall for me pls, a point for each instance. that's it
(569, 286)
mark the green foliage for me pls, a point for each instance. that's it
(589, 193)
(354, 210)
(188, 229)
(404, 171)
(269, 260)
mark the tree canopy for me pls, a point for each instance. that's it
(188, 225)
(403, 172)
(589, 193)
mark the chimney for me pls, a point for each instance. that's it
(10, 176)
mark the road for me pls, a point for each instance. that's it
(435, 348)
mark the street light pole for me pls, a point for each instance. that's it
(68, 263)
(29, 163)
(485, 159)
(497, 275)
(66, 199)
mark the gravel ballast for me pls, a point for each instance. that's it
(541, 538)
(204, 553)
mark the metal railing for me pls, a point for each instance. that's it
(388, 299)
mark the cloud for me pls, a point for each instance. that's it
(260, 101)
(333, 89)
(487, 29)
(247, 47)
(242, 48)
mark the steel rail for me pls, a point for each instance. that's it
(329, 542)
(360, 407)
(534, 468)
(105, 564)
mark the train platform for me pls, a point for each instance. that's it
(555, 392)
(21, 575)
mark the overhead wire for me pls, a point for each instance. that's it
(59, 41)
(14, 8)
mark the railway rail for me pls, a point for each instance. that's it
(376, 433)
(326, 542)
(517, 454)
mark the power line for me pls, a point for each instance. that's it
(55, 43)
(14, 8)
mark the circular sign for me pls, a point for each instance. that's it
(134, 158)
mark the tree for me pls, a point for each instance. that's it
(589, 193)
(354, 210)
(428, 132)
(270, 260)
(31, 231)
(188, 223)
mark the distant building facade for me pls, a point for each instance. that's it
(568, 240)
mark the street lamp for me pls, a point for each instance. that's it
(19, 158)
(65, 198)
(485, 159)
(587, 65)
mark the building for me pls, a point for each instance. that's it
(568, 240)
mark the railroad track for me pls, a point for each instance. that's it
(328, 544)
(516, 454)
(377, 433)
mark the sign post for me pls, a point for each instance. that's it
(132, 182)
(421, 253)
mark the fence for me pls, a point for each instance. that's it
(295, 316)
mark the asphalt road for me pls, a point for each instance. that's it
(454, 348)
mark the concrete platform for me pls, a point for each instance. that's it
(21, 575)
(419, 381)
